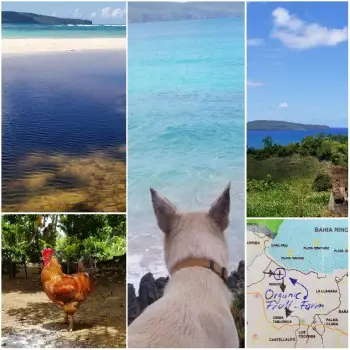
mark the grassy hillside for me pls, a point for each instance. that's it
(295, 180)
(285, 168)
(283, 187)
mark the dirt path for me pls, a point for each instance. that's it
(30, 319)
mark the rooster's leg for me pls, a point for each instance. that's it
(71, 324)
(66, 319)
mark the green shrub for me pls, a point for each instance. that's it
(322, 182)
(333, 148)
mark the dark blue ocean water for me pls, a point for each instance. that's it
(62, 103)
(62, 31)
(254, 138)
(186, 127)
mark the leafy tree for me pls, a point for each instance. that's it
(268, 142)
(72, 236)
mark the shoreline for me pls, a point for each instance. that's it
(47, 45)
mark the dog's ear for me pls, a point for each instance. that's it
(220, 209)
(165, 211)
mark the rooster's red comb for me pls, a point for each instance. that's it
(47, 251)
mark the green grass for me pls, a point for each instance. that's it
(272, 224)
(286, 168)
(282, 187)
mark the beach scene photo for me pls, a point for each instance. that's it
(63, 106)
(297, 126)
(185, 132)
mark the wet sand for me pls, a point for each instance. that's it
(31, 320)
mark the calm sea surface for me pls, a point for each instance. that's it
(300, 234)
(62, 31)
(63, 127)
(186, 128)
(254, 138)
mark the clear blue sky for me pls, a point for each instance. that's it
(297, 62)
(97, 12)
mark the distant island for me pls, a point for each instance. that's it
(139, 12)
(282, 125)
(12, 17)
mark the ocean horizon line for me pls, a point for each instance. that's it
(61, 25)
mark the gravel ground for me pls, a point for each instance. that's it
(31, 320)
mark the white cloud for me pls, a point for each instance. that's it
(252, 83)
(53, 14)
(77, 13)
(109, 12)
(93, 15)
(298, 34)
(283, 105)
(255, 42)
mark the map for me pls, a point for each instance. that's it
(297, 283)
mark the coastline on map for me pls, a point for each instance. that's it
(64, 107)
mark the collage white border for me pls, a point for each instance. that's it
(245, 117)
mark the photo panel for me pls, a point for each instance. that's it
(63, 106)
(186, 141)
(63, 280)
(297, 126)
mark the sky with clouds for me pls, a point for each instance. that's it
(297, 62)
(97, 12)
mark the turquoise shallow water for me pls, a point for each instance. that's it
(301, 233)
(186, 127)
(62, 31)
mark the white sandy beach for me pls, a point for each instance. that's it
(34, 45)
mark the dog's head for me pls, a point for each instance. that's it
(196, 234)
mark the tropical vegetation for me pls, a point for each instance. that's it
(72, 236)
(294, 180)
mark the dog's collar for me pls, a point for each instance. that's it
(208, 264)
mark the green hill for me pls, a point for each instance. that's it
(12, 17)
(282, 125)
(172, 11)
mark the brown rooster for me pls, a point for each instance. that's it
(67, 291)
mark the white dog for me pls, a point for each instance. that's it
(195, 311)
